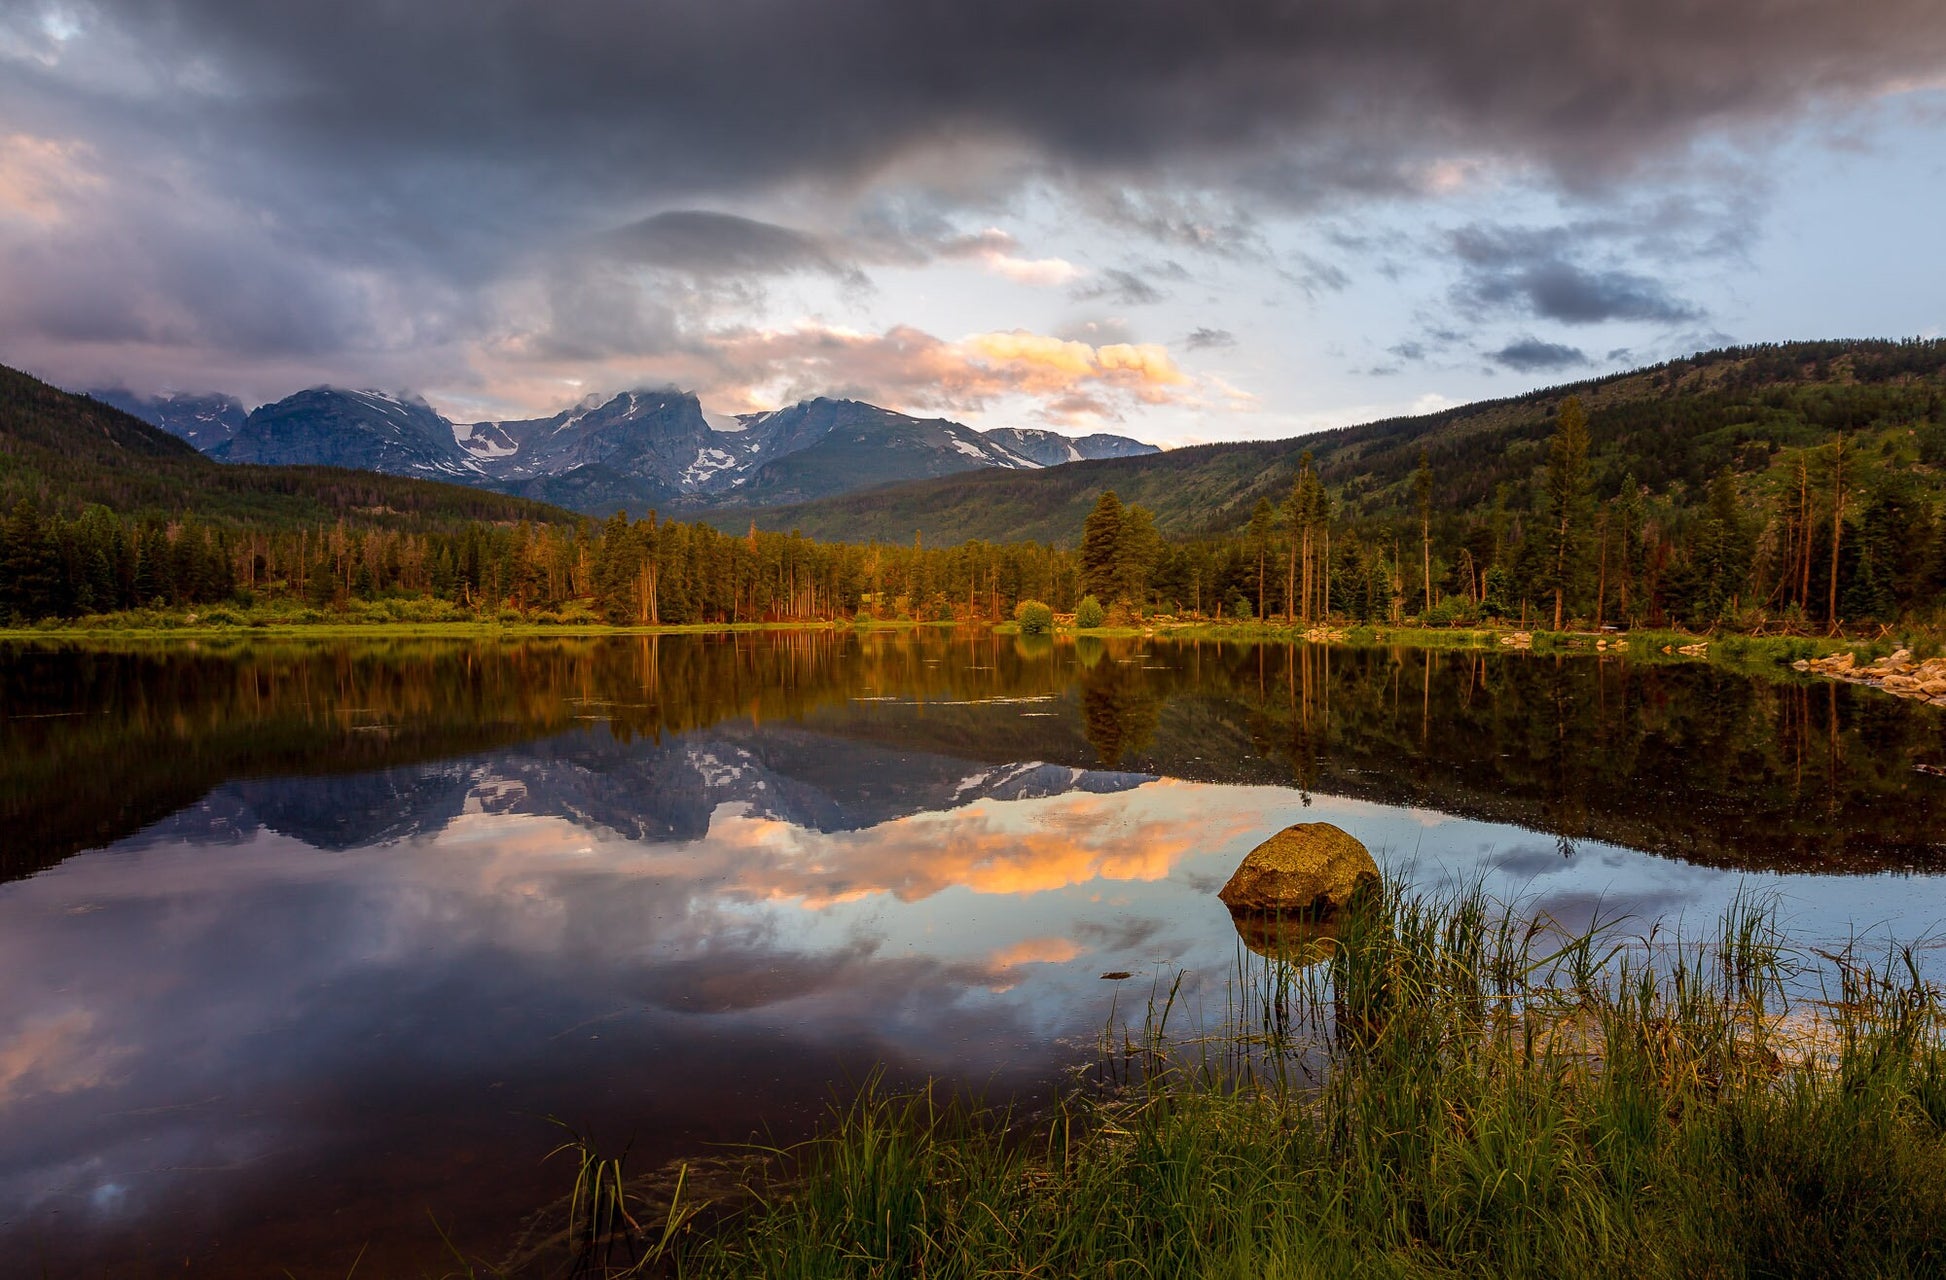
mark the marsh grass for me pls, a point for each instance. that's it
(1459, 1089)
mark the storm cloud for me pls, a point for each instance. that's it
(391, 187)
(1536, 272)
(712, 99)
(1531, 355)
(703, 242)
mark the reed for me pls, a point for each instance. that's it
(1461, 1088)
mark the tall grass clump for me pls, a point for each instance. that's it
(1458, 1089)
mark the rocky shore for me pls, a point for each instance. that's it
(1895, 673)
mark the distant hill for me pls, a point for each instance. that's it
(1674, 426)
(64, 450)
(635, 450)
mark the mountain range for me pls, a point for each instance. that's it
(63, 451)
(632, 450)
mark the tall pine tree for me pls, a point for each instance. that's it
(1101, 537)
(1567, 484)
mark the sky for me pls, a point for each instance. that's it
(1176, 221)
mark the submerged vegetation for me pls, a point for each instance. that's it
(1459, 1090)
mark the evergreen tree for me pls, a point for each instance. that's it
(1137, 548)
(1263, 532)
(1630, 555)
(1567, 483)
(1422, 499)
(1101, 536)
(30, 566)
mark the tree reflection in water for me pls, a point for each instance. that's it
(1682, 759)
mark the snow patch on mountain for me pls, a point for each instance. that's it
(708, 463)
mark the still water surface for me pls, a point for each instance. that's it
(303, 943)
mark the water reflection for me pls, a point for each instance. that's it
(337, 925)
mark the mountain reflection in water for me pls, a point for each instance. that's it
(305, 941)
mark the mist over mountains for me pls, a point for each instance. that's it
(631, 450)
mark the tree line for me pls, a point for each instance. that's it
(622, 571)
(1849, 531)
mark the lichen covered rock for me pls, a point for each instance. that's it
(1312, 869)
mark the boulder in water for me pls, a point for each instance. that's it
(1312, 870)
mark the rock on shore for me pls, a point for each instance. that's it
(1897, 674)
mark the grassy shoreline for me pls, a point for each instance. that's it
(164, 629)
(1763, 655)
(1454, 1092)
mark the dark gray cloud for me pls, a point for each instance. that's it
(381, 169)
(1206, 339)
(708, 243)
(1115, 285)
(1531, 355)
(710, 98)
(1535, 272)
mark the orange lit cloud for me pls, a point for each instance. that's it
(990, 847)
(1043, 272)
(901, 368)
(1000, 253)
(908, 368)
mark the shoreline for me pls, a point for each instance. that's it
(1640, 643)
(1795, 657)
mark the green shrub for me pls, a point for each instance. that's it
(1035, 618)
(1089, 613)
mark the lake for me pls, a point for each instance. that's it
(308, 945)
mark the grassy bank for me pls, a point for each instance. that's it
(1454, 1092)
(389, 618)
(420, 618)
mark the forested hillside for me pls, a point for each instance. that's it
(1674, 426)
(1801, 483)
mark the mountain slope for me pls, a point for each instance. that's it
(861, 443)
(1052, 449)
(628, 451)
(1673, 427)
(64, 450)
(205, 421)
(366, 430)
(647, 448)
